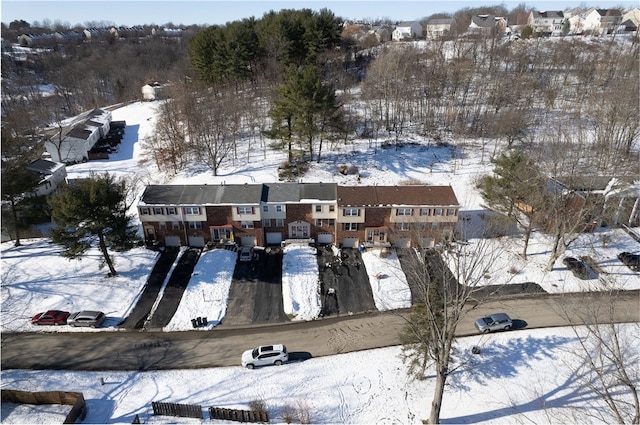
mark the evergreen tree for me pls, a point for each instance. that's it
(516, 189)
(18, 183)
(303, 110)
(88, 209)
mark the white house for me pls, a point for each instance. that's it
(52, 175)
(546, 22)
(407, 30)
(152, 91)
(440, 27)
(73, 144)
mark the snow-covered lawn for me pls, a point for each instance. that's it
(520, 376)
(528, 376)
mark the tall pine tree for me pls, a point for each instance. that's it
(90, 209)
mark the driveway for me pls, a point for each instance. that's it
(255, 296)
(140, 313)
(345, 287)
(175, 288)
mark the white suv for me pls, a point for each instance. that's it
(265, 355)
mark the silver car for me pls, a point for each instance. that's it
(265, 355)
(86, 318)
(494, 322)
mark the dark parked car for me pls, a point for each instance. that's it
(630, 260)
(494, 322)
(51, 317)
(86, 318)
(577, 267)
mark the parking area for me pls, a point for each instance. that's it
(345, 287)
(255, 295)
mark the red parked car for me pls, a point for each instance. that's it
(51, 317)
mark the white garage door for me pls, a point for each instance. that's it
(274, 238)
(325, 238)
(196, 241)
(172, 240)
(350, 242)
(248, 241)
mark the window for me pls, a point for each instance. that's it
(279, 222)
(265, 208)
(266, 222)
(171, 210)
(279, 208)
(157, 211)
(438, 211)
(318, 208)
(404, 211)
(176, 225)
(451, 211)
(191, 210)
(319, 222)
(332, 208)
(163, 225)
(144, 211)
(435, 226)
(245, 210)
(195, 225)
(332, 222)
(350, 227)
(403, 227)
(247, 224)
(425, 211)
(351, 212)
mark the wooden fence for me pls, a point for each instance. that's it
(73, 399)
(176, 409)
(238, 415)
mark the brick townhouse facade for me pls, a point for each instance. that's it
(273, 213)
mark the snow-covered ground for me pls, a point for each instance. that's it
(529, 376)
(367, 387)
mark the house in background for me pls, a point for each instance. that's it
(152, 91)
(407, 31)
(280, 213)
(546, 22)
(72, 144)
(436, 28)
(52, 176)
(487, 25)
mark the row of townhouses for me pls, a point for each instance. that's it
(276, 213)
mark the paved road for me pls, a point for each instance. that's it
(131, 350)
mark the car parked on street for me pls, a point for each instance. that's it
(494, 322)
(577, 267)
(51, 317)
(86, 318)
(265, 355)
(630, 260)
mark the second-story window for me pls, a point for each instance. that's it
(279, 222)
(318, 208)
(144, 211)
(247, 224)
(157, 211)
(350, 227)
(171, 210)
(245, 210)
(279, 208)
(266, 222)
(351, 212)
(265, 208)
(404, 211)
(195, 225)
(192, 210)
(438, 211)
(319, 222)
